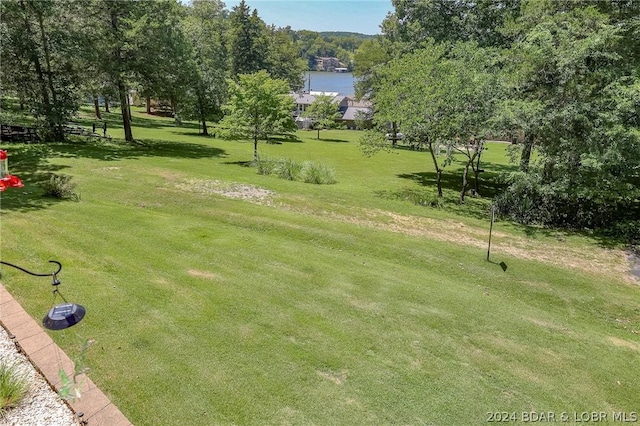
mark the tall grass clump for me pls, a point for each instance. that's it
(317, 173)
(288, 169)
(264, 165)
(13, 387)
(60, 186)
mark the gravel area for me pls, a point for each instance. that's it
(236, 190)
(41, 406)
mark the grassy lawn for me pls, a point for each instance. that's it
(319, 304)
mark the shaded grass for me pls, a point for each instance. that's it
(212, 310)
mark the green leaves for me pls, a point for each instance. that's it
(324, 113)
(258, 107)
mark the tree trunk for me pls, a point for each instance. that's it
(465, 182)
(148, 104)
(318, 134)
(126, 117)
(56, 120)
(96, 107)
(437, 167)
(33, 55)
(394, 129)
(128, 106)
(475, 166)
(204, 127)
(122, 91)
(525, 157)
(255, 148)
(106, 104)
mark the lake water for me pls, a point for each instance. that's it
(341, 82)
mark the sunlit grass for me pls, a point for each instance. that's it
(315, 304)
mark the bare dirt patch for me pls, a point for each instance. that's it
(241, 191)
(621, 343)
(337, 377)
(204, 274)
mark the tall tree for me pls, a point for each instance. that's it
(162, 51)
(247, 39)
(40, 59)
(370, 56)
(115, 23)
(572, 80)
(259, 107)
(440, 97)
(205, 27)
(284, 60)
(416, 21)
(406, 93)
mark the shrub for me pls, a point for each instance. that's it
(264, 165)
(288, 169)
(60, 186)
(13, 387)
(317, 173)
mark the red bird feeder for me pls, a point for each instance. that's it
(7, 180)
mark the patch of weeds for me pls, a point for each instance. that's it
(70, 386)
(317, 173)
(13, 387)
(60, 186)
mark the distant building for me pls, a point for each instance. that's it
(328, 64)
(350, 109)
(357, 113)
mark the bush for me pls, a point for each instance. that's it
(317, 173)
(529, 201)
(60, 186)
(13, 387)
(288, 169)
(285, 168)
(264, 165)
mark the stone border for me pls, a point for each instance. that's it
(93, 408)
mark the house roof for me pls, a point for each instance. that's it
(303, 98)
(323, 93)
(352, 112)
(362, 103)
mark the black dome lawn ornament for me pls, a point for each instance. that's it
(63, 315)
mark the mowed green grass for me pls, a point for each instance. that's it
(308, 307)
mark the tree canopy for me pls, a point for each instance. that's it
(259, 107)
(557, 77)
(323, 112)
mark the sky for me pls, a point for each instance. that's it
(358, 16)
